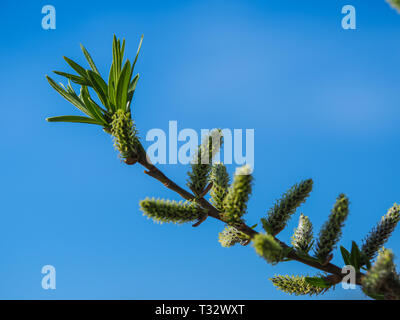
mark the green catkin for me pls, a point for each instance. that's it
(125, 135)
(220, 183)
(202, 162)
(267, 247)
(231, 236)
(235, 203)
(296, 285)
(332, 229)
(302, 239)
(382, 278)
(395, 4)
(279, 215)
(170, 211)
(381, 233)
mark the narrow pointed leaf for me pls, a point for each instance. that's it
(111, 86)
(74, 78)
(137, 53)
(93, 108)
(122, 86)
(122, 49)
(81, 71)
(89, 59)
(115, 59)
(355, 256)
(345, 255)
(76, 119)
(132, 88)
(67, 96)
(99, 86)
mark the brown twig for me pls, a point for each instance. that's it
(205, 191)
(201, 220)
(154, 172)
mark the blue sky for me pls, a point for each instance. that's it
(323, 101)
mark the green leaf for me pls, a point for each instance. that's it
(133, 84)
(132, 88)
(355, 256)
(111, 86)
(119, 55)
(76, 67)
(122, 86)
(345, 255)
(318, 282)
(74, 78)
(94, 109)
(122, 50)
(115, 49)
(76, 119)
(68, 96)
(137, 53)
(100, 87)
(89, 59)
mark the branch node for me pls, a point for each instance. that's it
(328, 259)
(205, 191)
(201, 220)
(130, 160)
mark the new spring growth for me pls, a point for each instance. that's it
(302, 239)
(231, 236)
(267, 247)
(235, 204)
(202, 162)
(296, 285)
(170, 211)
(382, 280)
(220, 183)
(115, 96)
(332, 229)
(381, 233)
(283, 209)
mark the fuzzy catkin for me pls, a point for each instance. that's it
(202, 161)
(381, 233)
(332, 229)
(235, 203)
(283, 209)
(220, 183)
(382, 278)
(268, 248)
(302, 239)
(125, 134)
(231, 236)
(169, 211)
(296, 285)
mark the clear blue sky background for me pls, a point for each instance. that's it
(324, 103)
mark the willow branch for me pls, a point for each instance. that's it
(157, 174)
